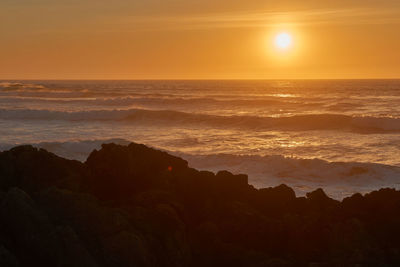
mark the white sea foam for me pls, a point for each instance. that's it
(338, 179)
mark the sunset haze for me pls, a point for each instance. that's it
(198, 39)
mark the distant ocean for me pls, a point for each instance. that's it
(341, 135)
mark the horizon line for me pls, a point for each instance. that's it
(202, 79)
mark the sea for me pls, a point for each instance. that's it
(339, 135)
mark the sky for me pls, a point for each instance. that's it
(199, 39)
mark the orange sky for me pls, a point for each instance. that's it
(193, 39)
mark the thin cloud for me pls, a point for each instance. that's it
(264, 19)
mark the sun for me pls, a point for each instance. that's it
(283, 41)
(284, 45)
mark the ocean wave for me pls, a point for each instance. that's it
(166, 101)
(33, 89)
(339, 179)
(334, 122)
(17, 86)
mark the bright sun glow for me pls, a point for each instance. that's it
(283, 40)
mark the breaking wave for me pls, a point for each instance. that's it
(164, 100)
(332, 122)
(339, 179)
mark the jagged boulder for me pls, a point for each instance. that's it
(28, 230)
(275, 200)
(74, 250)
(319, 199)
(34, 169)
(119, 171)
(7, 259)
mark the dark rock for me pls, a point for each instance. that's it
(120, 171)
(136, 206)
(228, 179)
(126, 249)
(317, 195)
(320, 199)
(27, 230)
(279, 194)
(7, 259)
(34, 169)
(75, 251)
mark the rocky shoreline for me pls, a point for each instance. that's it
(137, 206)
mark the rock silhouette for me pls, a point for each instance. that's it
(137, 206)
